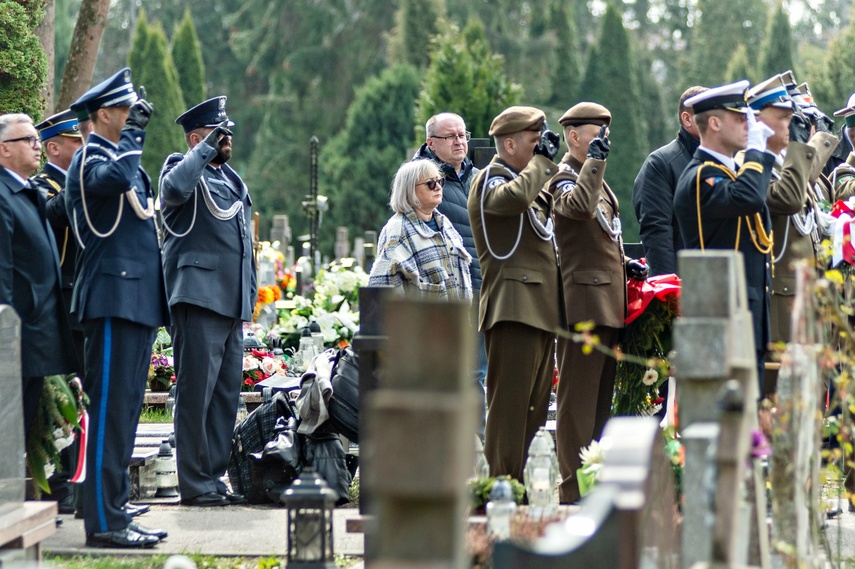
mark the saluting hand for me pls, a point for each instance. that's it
(758, 133)
(598, 149)
(218, 137)
(799, 126)
(139, 114)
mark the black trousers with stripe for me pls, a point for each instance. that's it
(118, 355)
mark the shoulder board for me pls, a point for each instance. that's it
(50, 181)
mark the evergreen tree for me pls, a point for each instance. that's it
(611, 80)
(416, 21)
(565, 70)
(657, 131)
(837, 79)
(465, 77)
(723, 25)
(187, 56)
(359, 163)
(776, 55)
(139, 44)
(739, 67)
(155, 71)
(23, 66)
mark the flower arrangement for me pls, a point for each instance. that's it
(266, 295)
(161, 370)
(61, 406)
(480, 488)
(644, 364)
(592, 463)
(331, 303)
(259, 365)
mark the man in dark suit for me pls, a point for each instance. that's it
(511, 217)
(720, 207)
(211, 287)
(29, 264)
(588, 232)
(653, 192)
(119, 297)
(60, 138)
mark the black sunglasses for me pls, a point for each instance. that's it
(433, 183)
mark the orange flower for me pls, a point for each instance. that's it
(265, 295)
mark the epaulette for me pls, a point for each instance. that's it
(51, 182)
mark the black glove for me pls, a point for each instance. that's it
(140, 113)
(598, 149)
(799, 127)
(824, 124)
(217, 137)
(637, 270)
(549, 142)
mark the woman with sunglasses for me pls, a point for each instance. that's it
(419, 251)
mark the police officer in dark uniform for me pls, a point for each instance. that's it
(729, 205)
(60, 138)
(211, 284)
(119, 297)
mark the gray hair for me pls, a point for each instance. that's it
(430, 125)
(404, 184)
(10, 119)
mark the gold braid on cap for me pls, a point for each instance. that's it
(762, 241)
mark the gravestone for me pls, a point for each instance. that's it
(419, 424)
(11, 412)
(281, 231)
(341, 249)
(369, 249)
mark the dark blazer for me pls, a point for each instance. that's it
(455, 194)
(524, 288)
(653, 201)
(213, 265)
(727, 201)
(592, 263)
(119, 275)
(50, 181)
(29, 280)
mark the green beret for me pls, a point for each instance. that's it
(586, 113)
(517, 119)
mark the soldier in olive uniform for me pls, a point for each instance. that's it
(721, 207)
(519, 310)
(588, 231)
(843, 176)
(790, 198)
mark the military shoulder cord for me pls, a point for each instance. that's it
(762, 241)
(130, 194)
(57, 188)
(216, 211)
(614, 229)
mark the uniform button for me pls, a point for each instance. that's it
(139, 140)
(827, 143)
(596, 280)
(786, 289)
(767, 289)
(124, 273)
(195, 262)
(767, 265)
(525, 278)
(810, 155)
(594, 170)
(549, 171)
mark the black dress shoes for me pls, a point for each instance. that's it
(206, 500)
(140, 529)
(121, 538)
(234, 499)
(135, 510)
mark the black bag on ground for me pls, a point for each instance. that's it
(326, 453)
(344, 404)
(250, 436)
(274, 468)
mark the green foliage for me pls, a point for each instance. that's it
(739, 67)
(837, 79)
(651, 105)
(23, 66)
(65, 12)
(776, 54)
(358, 164)
(465, 77)
(189, 64)
(416, 22)
(565, 69)
(155, 71)
(610, 80)
(480, 488)
(139, 44)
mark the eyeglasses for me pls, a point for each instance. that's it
(33, 141)
(432, 183)
(466, 136)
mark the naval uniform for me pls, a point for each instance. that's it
(120, 299)
(211, 286)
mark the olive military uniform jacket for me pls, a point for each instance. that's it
(726, 202)
(119, 275)
(212, 266)
(843, 180)
(592, 261)
(525, 286)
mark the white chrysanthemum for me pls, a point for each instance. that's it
(62, 439)
(651, 376)
(591, 454)
(50, 469)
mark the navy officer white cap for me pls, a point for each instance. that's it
(730, 97)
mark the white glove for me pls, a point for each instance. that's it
(758, 132)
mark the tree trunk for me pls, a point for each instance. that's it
(91, 22)
(45, 33)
